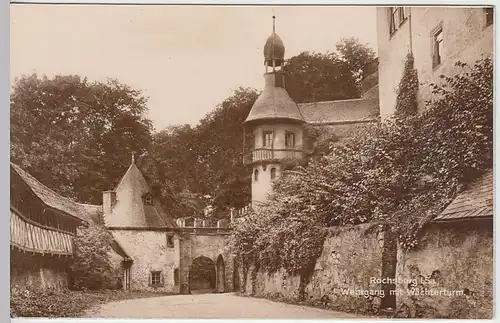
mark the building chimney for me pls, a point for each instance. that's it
(108, 201)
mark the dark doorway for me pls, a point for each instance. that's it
(202, 276)
(221, 275)
(236, 275)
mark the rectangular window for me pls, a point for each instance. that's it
(289, 139)
(155, 278)
(267, 139)
(392, 20)
(397, 15)
(437, 47)
(489, 16)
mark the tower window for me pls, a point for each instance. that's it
(437, 47)
(489, 16)
(267, 139)
(289, 139)
(273, 173)
(256, 175)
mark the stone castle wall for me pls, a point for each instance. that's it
(350, 256)
(459, 257)
(456, 260)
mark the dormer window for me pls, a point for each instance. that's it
(290, 139)
(148, 199)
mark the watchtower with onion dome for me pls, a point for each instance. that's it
(276, 123)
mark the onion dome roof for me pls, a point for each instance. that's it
(274, 50)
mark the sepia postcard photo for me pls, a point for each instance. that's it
(258, 161)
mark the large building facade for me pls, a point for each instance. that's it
(438, 37)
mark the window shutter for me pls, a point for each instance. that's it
(150, 279)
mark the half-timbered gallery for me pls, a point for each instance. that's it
(42, 226)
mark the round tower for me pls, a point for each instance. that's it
(276, 124)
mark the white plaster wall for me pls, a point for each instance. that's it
(263, 186)
(279, 134)
(149, 252)
(465, 38)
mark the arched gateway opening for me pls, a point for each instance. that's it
(221, 275)
(236, 275)
(202, 277)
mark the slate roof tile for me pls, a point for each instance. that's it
(340, 111)
(475, 202)
(55, 200)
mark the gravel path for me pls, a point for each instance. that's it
(209, 306)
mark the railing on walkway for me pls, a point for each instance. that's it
(261, 154)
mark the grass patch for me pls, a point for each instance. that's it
(29, 303)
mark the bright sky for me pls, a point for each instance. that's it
(186, 59)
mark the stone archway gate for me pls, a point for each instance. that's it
(211, 243)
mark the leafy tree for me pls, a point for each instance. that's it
(356, 56)
(74, 135)
(91, 267)
(315, 77)
(207, 158)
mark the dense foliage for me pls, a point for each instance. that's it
(397, 174)
(313, 77)
(64, 303)
(92, 268)
(76, 136)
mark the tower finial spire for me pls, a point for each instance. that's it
(133, 157)
(274, 22)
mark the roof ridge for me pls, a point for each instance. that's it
(43, 185)
(346, 100)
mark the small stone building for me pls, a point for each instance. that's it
(143, 233)
(158, 253)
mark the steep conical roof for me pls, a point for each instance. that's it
(274, 103)
(130, 209)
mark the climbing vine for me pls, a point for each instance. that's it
(406, 100)
(399, 174)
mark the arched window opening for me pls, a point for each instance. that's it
(256, 175)
(273, 173)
